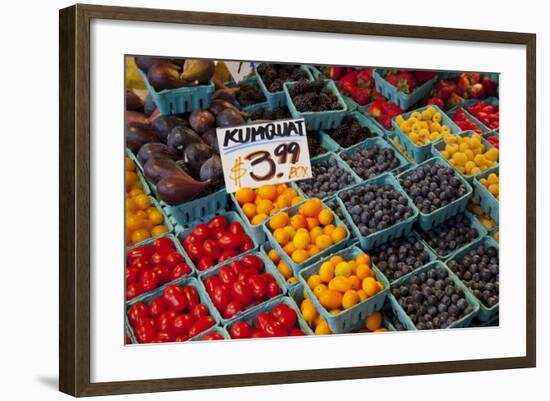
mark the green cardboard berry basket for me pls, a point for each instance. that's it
(267, 306)
(276, 99)
(382, 236)
(403, 100)
(318, 120)
(183, 231)
(296, 267)
(427, 221)
(474, 222)
(363, 121)
(424, 152)
(352, 318)
(406, 321)
(431, 254)
(485, 313)
(184, 282)
(180, 100)
(340, 163)
(377, 141)
(438, 146)
(484, 197)
(268, 268)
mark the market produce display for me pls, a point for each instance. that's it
(396, 230)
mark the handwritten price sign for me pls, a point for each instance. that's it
(272, 152)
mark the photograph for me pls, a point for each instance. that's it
(269, 199)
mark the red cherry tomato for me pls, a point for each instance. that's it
(183, 323)
(236, 266)
(257, 333)
(211, 248)
(204, 323)
(132, 274)
(180, 339)
(166, 336)
(221, 296)
(141, 264)
(149, 280)
(140, 252)
(179, 271)
(211, 283)
(227, 254)
(217, 223)
(190, 239)
(161, 243)
(175, 298)
(205, 263)
(273, 289)
(232, 309)
(163, 273)
(199, 310)
(226, 275)
(235, 228)
(275, 329)
(246, 243)
(157, 307)
(268, 277)
(132, 291)
(145, 331)
(173, 259)
(218, 233)
(257, 285)
(137, 313)
(241, 292)
(245, 274)
(241, 330)
(285, 315)
(214, 336)
(263, 319)
(194, 250)
(159, 257)
(253, 262)
(296, 332)
(164, 322)
(230, 241)
(127, 340)
(192, 296)
(201, 232)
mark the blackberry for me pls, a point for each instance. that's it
(275, 75)
(311, 96)
(278, 113)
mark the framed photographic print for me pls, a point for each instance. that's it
(238, 192)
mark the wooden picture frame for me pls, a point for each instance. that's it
(74, 203)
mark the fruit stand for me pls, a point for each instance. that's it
(397, 230)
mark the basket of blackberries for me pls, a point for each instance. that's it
(437, 190)
(318, 102)
(272, 77)
(378, 210)
(478, 268)
(373, 157)
(453, 235)
(433, 298)
(355, 128)
(402, 256)
(329, 175)
(264, 112)
(246, 93)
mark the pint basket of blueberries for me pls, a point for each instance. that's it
(478, 268)
(373, 157)
(378, 210)
(437, 191)
(433, 298)
(329, 175)
(453, 235)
